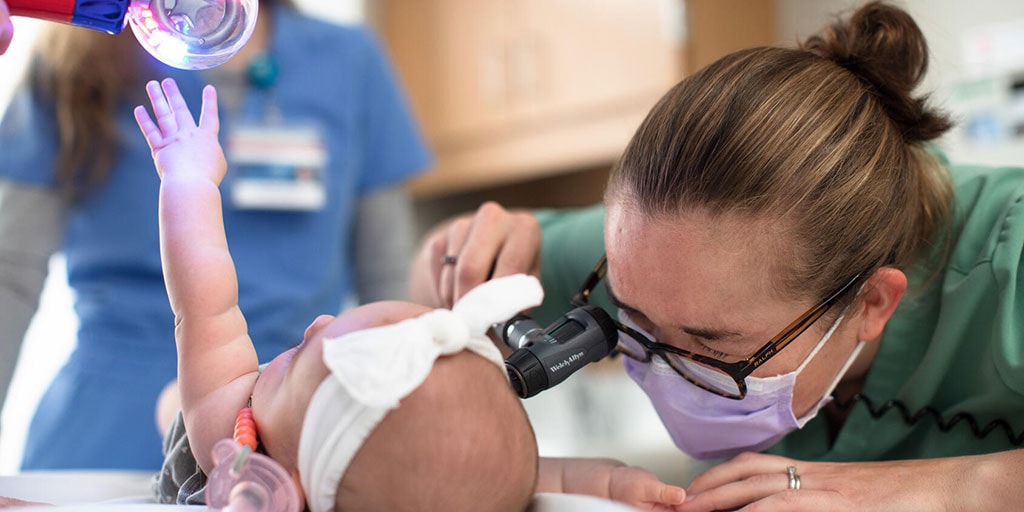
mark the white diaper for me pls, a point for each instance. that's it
(373, 369)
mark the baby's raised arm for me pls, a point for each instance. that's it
(217, 364)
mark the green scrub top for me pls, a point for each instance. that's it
(957, 346)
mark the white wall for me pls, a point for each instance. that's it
(947, 25)
(12, 63)
(944, 23)
(39, 361)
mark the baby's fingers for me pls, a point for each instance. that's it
(638, 486)
(182, 116)
(164, 116)
(149, 128)
(664, 494)
(208, 117)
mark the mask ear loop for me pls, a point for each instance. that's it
(839, 376)
(828, 334)
(824, 339)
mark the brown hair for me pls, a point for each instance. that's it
(825, 140)
(87, 75)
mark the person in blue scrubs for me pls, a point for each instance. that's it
(320, 141)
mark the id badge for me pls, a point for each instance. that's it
(277, 167)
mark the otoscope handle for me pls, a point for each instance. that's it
(545, 358)
(103, 15)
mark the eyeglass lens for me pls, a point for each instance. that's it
(706, 376)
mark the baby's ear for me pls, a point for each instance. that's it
(317, 324)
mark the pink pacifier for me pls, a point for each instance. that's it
(245, 481)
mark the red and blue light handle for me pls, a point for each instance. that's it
(103, 15)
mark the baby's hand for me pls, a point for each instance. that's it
(642, 489)
(613, 479)
(180, 148)
(16, 503)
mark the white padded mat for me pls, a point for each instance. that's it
(116, 491)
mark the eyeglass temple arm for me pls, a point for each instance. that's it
(596, 275)
(799, 326)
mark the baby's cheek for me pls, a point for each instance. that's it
(266, 387)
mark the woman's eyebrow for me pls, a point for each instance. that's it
(707, 333)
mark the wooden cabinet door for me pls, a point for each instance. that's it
(472, 92)
(591, 57)
(486, 68)
(451, 56)
(511, 90)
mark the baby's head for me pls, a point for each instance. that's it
(461, 441)
(392, 406)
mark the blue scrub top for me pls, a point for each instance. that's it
(291, 265)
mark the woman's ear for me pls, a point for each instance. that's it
(881, 294)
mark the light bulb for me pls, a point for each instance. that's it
(192, 34)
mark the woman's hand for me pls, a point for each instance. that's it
(468, 250)
(180, 147)
(759, 482)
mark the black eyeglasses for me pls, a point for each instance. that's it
(719, 377)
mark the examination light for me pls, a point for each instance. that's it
(186, 34)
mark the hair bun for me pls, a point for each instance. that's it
(883, 46)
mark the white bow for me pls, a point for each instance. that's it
(380, 366)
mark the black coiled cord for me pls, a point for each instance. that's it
(944, 426)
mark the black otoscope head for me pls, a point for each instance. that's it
(544, 357)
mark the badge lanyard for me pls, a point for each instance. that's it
(276, 164)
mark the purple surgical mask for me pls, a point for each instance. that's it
(709, 426)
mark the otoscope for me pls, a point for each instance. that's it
(186, 34)
(544, 357)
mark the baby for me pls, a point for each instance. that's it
(389, 406)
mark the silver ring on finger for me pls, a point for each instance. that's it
(794, 479)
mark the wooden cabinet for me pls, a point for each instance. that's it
(510, 90)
